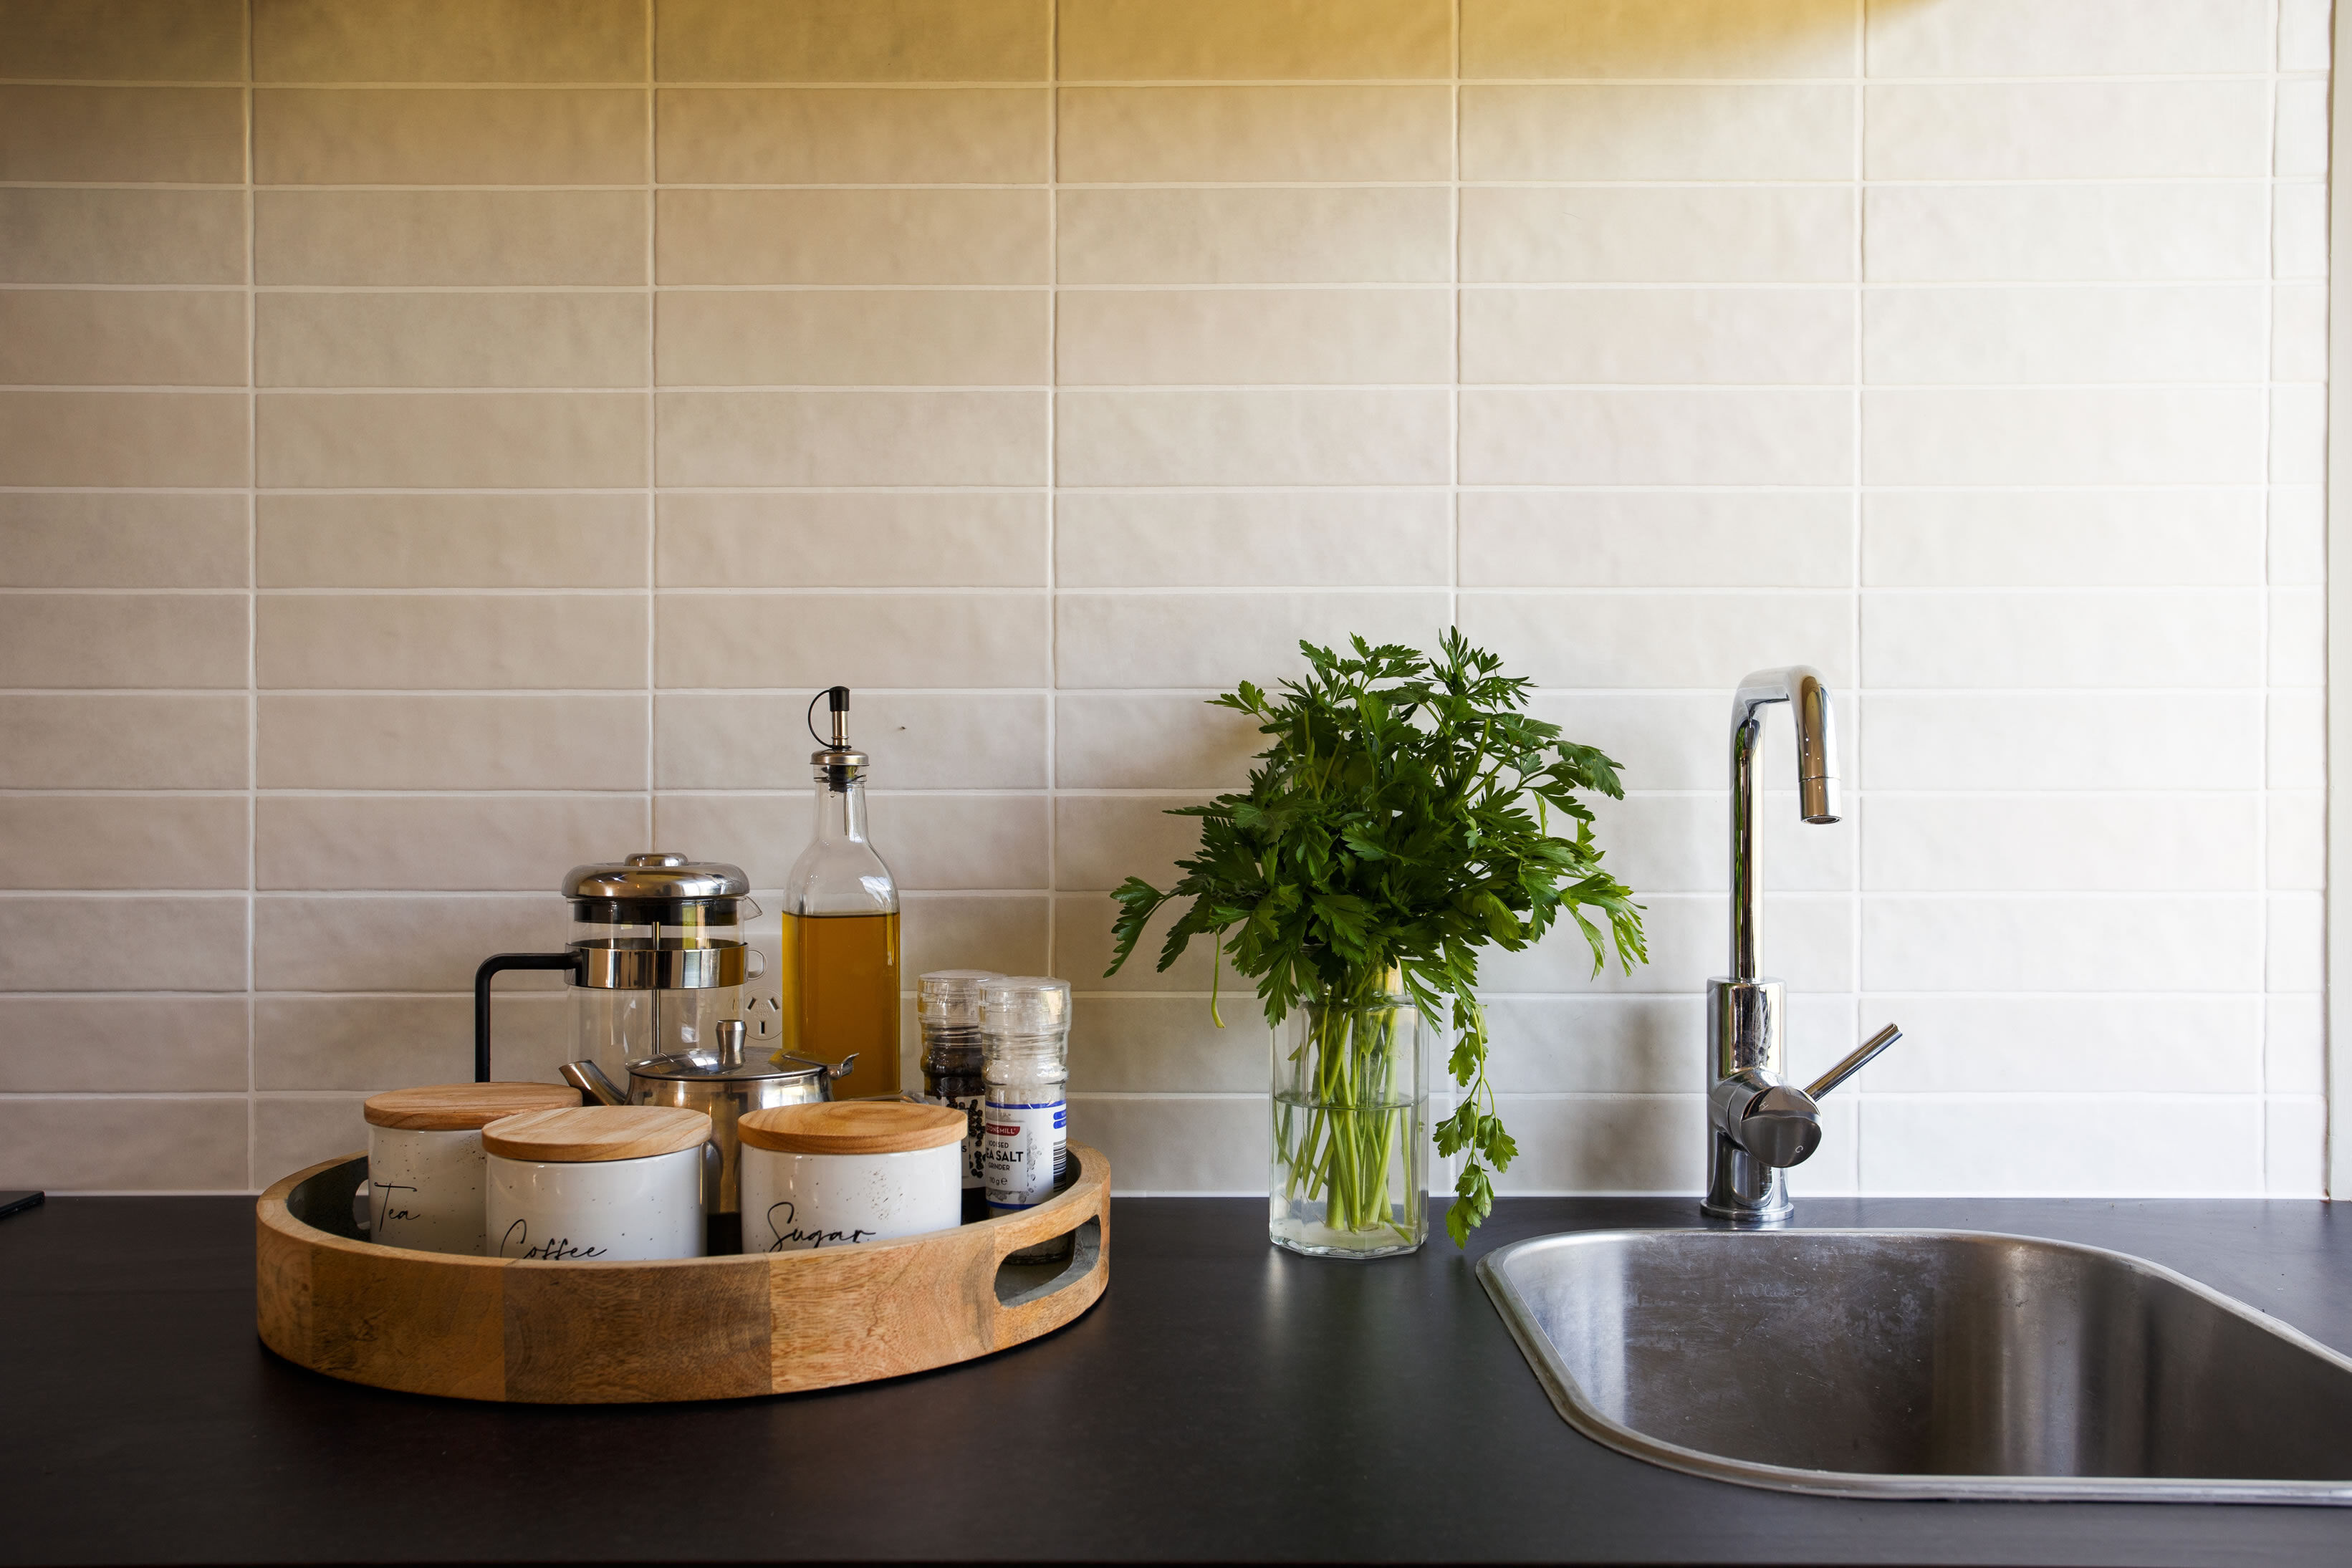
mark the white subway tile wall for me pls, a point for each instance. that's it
(439, 444)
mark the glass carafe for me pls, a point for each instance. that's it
(841, 930)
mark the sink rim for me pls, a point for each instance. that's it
(1569, 1400)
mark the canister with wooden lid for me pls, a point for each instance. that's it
(841, 1173)
(425, 1159)
(598, 1184)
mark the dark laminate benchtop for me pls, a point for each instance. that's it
(1224, 1401)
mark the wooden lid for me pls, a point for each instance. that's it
(462, 1107)
(853, 1128)
(586, 1132)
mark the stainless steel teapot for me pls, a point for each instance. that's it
(726, 1087)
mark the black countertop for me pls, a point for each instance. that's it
(1223, 1401)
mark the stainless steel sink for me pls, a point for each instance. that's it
(1952, 1364)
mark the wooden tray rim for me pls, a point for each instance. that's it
(502, 1328)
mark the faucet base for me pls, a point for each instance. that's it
(1750, 1218)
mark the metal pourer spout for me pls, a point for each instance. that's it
(838, 762)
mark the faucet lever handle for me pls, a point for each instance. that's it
(1860, 1056)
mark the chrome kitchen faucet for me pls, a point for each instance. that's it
(1757, 1124)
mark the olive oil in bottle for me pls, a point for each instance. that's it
(840, 928)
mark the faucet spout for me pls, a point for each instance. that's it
(1801, 688)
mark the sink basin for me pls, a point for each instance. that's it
(1954, 1364)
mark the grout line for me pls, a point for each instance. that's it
(1858, 577)
(1051, 609)
(252, 629)
(652, 298)
(2261, 721)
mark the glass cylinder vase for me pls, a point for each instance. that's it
(1351, 1175)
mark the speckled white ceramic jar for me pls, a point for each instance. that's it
(578, 1205)
(839, 1174)
(426, 1160)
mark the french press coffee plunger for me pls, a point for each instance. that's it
(656, 961)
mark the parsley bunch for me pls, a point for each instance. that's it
(1402, 820)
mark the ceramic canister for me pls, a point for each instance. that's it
(845, 1172)
(425, 1159)
(598, 1184)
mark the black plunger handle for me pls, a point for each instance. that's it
(568, 962)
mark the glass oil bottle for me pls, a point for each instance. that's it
(840, 947)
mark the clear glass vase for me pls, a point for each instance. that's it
(1350, 1177)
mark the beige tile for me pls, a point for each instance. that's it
(108, 1044)
(1149, 741)
(847, 40)
(124, 1145)
(2181, 943)
(448, 40)
(452, 641)
(184, 942)
(1669, 437)
(930, 841)
(2070, 537)
(350, 741)
(856, 237)
(117, 841)
(395, 942)
(188, 640)
(292, 1134)
(856, 136)
(852, 438)
(1128, 338)
(2097, 739)
(180, 135)
(1084, 944)
(124, 40)
(1320, 437)
(1697, 234)
(2299, 332)
(2298, 434)
(2048, 641)
(919, 740)
(974, 931)
(2079, 130)
(467, 843)
(1174, 1146)
(2088, 38)
(2063, 436)
(2148, 842)
(123, 742)
(1301, 235)
(1750, 336)
(1670, 640)
(450, 340)
(2298, 637)
(1252, 40)
(853, 337)
(1354, 539)
(2070, 233)
(451, 541)
(121, 237)
(1637, 539)
(1254, 133)
(803, 641)
(123, 438)
(2083, 334)
(1620, 1143)
(372, 1043)
(2294, 1147)
(2300, 144)
(124, 540)
(2299, 228)
(1658, 38)
(503, 439)
(1810, 938)
(2295, 740)
(1147, 1044)
(1211, 640)
(2298, 536)
(849, 539)
(1718, 133)
(1100, 840)
(62, 337)
(472, 136)
(439, 238)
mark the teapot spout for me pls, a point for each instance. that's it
(590, 1080)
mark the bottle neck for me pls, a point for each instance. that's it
(840, 809)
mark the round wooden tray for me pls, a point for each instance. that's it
(697, 1328)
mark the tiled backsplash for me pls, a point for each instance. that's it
(450, 439)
